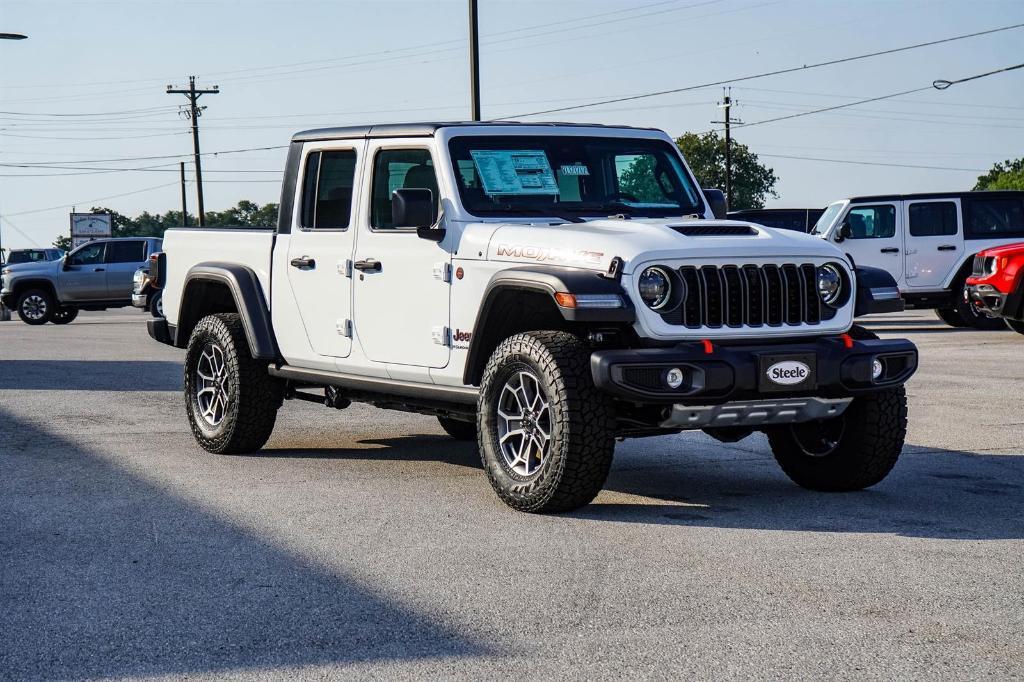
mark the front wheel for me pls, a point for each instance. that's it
(156, 304)
(853, 451)
(230, 398)
(1015, 325)
(544, 430)
(36, 306)
(64, 315)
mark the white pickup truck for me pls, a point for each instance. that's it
(542, 290)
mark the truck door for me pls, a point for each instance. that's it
(875, 237)
(320, 249)
(123, 259)
(401, 289)
(84, 277)
(935, 241)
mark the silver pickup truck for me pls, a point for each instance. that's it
(95, 276)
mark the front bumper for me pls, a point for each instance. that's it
(995, 303)
(729, 373)
(140, 300)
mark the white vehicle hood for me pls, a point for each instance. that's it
(593, 244)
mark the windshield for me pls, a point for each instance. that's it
(826, 219)
(560, 175)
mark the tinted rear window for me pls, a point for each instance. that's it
(126, 252)
(932, 219)
(995, 217)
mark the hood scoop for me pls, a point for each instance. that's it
(714, 230)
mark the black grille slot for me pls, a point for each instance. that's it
(978, 266)
(643, 377)
(748, 296)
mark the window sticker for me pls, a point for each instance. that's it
(574, 169)
(519, 171)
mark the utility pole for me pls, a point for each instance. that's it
(5, 314)
(184, 207)
(194, 112)
(474, 62)
(727, 104)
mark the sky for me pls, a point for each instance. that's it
(89, 85)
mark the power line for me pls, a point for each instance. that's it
(873, 163)
(89, 201)
(805, 67)
(935, 84)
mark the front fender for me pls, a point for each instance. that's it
(877, 292)
(552, 280)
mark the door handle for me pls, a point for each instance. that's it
(303, 263)
(368, 265)
(891, 249)
(98, 269)
(947, 247)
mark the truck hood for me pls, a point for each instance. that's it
(35, 267)
(593, 244)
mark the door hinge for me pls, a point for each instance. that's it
(344, 328)
(345, 268)
(443, 271)
(441, 335)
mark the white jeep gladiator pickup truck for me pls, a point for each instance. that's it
(542, 289)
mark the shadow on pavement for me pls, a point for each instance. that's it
(91, 375)
(930, 494)
(104, 574)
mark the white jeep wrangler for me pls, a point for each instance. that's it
(543, 290)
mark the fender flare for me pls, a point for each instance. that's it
(877, 292)
(247, 293)
(549, 280)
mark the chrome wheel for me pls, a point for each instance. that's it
(524, 423)
(34, 307)
(211, 384)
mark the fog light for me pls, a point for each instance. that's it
(674, 378)
(876, 369)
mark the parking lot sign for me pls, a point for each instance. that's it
(88, 226)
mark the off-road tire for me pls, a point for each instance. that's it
(964, 314)
(64, 316)
(871, 442)
(31, 296)
(458, 429)
(253, 395)
(1015, 325)
(156, 306)
(581, 423)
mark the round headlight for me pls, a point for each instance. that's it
(830, 283)
(655, 288)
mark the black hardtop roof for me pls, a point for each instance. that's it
(428, 129)
(1009, 193)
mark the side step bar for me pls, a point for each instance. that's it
(377, 386)
(755, 413)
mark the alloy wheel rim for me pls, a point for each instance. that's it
(524, 424)
(211, 384)
(160, 306)
(34, 307)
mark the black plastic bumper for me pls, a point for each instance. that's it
(991, 301)
(841, 367)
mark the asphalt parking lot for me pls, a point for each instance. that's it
(366, 543)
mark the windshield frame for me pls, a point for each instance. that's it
(826, 230)
(534, 211)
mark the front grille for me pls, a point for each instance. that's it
(978, 268)
(749, 296)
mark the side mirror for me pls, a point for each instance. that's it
(412, 208)
(716, 200)
(844, 232)
(66, 265)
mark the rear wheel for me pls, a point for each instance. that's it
(64, 315)
(36, 306)
(230, 398)
(963, 313)
(545, 432)
(156, 304)
(458, 429)
(853, 451)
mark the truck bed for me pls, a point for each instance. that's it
(188, 246)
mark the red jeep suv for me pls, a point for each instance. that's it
(996, 284)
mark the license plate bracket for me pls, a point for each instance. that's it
(778, 372)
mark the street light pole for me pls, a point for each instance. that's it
(5, 314)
